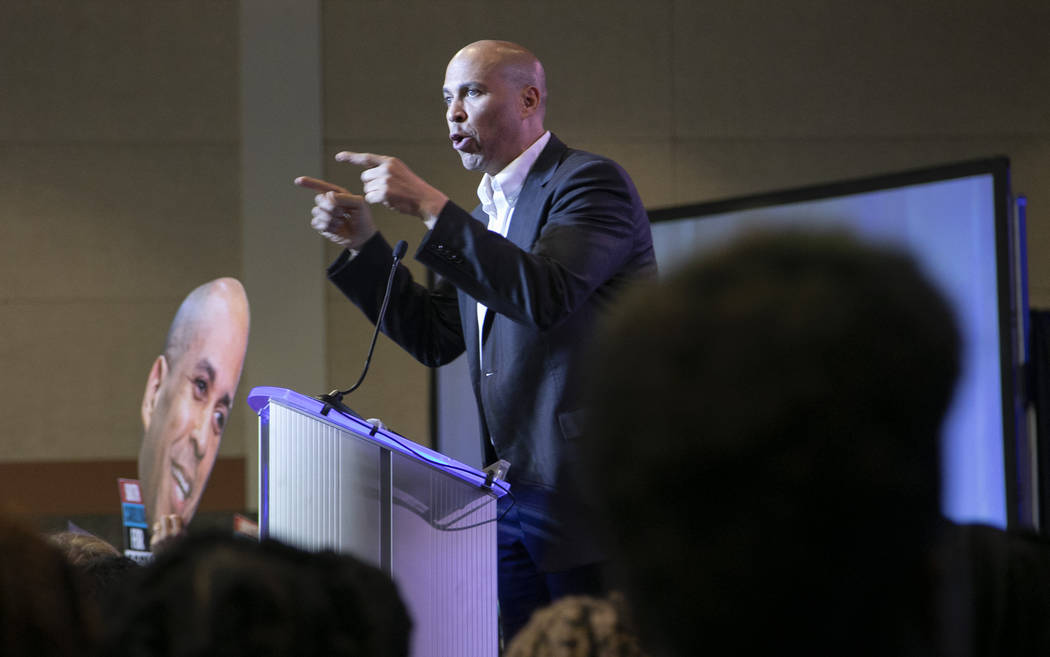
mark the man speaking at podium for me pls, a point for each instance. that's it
(557, 236)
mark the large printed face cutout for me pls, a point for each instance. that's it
(188, 397)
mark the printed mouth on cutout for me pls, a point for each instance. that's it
(183, 485)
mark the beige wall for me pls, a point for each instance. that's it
(118, 195)
(119, 151)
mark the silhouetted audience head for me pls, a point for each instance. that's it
(223, 595)
(578, 626)
(43, 610)
(103, 567)
(765, 444)
(81, 547)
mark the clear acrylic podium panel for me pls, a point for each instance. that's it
(325, 483)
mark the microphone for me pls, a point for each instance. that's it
(334, 399)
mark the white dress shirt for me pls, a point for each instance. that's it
(499, 194)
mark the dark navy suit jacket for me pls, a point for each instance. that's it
(578, 235)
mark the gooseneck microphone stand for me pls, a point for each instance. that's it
(334, 399)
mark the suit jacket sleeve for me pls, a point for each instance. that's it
(572, 232)
(423, 322)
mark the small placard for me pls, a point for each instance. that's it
(130, 491)
(133, 518)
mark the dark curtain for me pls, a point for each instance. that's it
(1039, 391)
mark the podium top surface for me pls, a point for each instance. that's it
(261, 397)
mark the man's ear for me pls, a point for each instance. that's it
(530, 100)
(157, 374)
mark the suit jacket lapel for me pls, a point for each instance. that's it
(526, 219)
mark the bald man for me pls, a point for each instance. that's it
(557, 236)
(188, 397)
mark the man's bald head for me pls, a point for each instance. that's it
(517, 64)
(496, 96)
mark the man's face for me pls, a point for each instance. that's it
(188, 404)
(483, 112)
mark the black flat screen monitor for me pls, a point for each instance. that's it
(956, 221)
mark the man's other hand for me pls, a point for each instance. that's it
(165, 529)
(340, 216)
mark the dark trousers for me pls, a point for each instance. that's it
(522, 587)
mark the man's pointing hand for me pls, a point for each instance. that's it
(388, 181)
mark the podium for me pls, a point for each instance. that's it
(340, 483)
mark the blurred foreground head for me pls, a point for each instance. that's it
(578, 626)
(43, 609)
(765, 446)
(81, 548)
(102, 567)
(223, 595)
